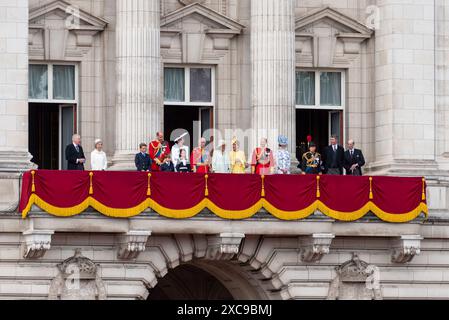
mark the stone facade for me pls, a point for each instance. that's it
(394, 58)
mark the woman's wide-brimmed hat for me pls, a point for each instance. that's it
(283, 140)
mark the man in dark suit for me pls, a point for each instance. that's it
(143, 160)
(74, 154)
(354, 160)
(333, 157)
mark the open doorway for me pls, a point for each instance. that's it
(195, 120)
(188, 282)
(320, 125)
(51, 127)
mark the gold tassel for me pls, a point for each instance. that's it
(33, 186)
(318, 192)
(423, 189)
(91, 188)
(206, 192)
(263, 187)
(371, 194)
(149, 185)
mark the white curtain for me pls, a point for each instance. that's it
(330, 89)
(38, 81)
(64, 82)
(174, 84)
(305, 88)
(200, 85)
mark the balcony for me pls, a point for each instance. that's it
(175, 196)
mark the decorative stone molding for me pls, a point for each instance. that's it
(132, 244)
(224, 246)
(209, 26)
(36, 243)
(355, 280)
(68, 19)
(319, 32)
(314, 247)
(406, 248)
(189, 2)
(78, 279)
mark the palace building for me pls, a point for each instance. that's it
(376, 71)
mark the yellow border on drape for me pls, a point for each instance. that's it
(225, 214)
(237, 214)
(290, 215)
(178, 214)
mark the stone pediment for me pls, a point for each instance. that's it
(328, 38)
(60, 31)
(197, 34)
(341, 23)
(75, 18)
(212, 22)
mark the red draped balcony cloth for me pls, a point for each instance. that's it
(233, 197)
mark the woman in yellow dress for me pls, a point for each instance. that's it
(237, 158)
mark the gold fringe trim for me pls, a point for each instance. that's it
(235, 215)
(91, 188)
(178, 214)
(225, 214)
(318, 192)
(371, 194)
(423, 198)
(262, 193)
(33, 186)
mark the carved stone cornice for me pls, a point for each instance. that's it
(53, 33)
(223, 246)
(36, 243)
(132, 244)
(314, 247)
(406, 248)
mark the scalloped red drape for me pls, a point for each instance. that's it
(181, 196)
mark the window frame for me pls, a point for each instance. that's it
(318, 105)
(50, 98)
(186, 101)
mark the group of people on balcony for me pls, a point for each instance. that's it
(158, 157)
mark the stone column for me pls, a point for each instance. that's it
(138, 103)
(273, 70)
(14, 155)
(442, 82)
(405, 88)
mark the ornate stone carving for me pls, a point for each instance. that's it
(193, 27)
(189, 2)
(224, 246)
(78, 279)
(36, 243)
(405, 248)
(355, 280)
(70, 20)
(132, 244)
(314, 247)
(319, 32)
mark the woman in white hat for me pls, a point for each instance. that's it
(176, 150)
(98, 159)
(220, 159)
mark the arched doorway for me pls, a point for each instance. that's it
(188, 282)
(209, 280)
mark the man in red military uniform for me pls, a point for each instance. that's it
(262, 162)
(158, 150)
(201, 158)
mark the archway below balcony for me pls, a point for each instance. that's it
(207, 280)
